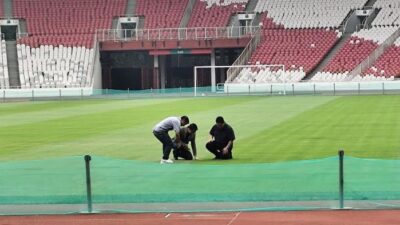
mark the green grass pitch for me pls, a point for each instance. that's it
(268, 129)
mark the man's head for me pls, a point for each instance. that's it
(184, 120)
(192, 128)
(220, 121)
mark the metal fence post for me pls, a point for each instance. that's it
(334, 88)
(341, 180)
(88, 183)
(383, 88)
(292, 89)
(314, 90)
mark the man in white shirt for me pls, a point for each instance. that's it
(160, 131)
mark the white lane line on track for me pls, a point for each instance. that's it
(234, 218)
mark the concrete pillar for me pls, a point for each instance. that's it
(223, 75)
(156, 80)
(213, 80)
(162, 71)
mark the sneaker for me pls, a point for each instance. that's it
(166, 161)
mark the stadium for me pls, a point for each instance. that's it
(310, 87)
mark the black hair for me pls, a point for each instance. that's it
(219, 119)
(193, 127)
(185, 119)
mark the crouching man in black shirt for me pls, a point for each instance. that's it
(222, 137)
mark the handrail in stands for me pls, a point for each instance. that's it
(196, 33)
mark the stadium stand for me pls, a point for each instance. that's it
(358, 48)
(58, 51)
(389, 13)
(294, 48)
(210, 3)
(299, 50)
(54, 66)
(299, 34)
(268, 23)
(214, 13)
(308, 14)
(296, 33)
(161, 13)
(387, 66)
(48, 18)
(4, 79)
(268, 75)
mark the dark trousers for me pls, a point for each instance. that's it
(216, 149)
(166, 141)
(183, 152)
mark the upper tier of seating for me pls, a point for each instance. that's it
(389, 13)
(268, 23)
(161, 13)
(62, 22)
(308, 14)
(210, 14)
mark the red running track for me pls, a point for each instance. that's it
(345, 217)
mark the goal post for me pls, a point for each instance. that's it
(239, 73)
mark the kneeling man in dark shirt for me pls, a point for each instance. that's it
(222, 137)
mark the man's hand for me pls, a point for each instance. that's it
(225, 151)
(185, 147)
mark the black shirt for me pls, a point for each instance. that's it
(222, 135)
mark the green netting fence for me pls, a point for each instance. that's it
(223, 89)
(59, 185)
